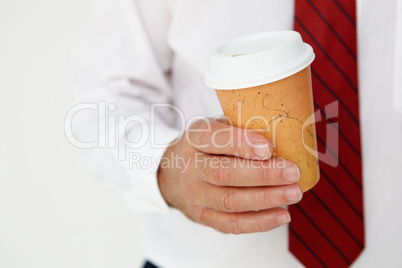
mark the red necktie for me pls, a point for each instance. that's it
(327, 227)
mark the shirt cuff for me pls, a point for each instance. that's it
(142, 165)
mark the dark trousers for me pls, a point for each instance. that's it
(147, 264)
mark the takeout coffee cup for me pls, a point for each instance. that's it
(263, 83)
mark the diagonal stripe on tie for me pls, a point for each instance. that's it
(329, 210)
(350, 17)
(305, 250)
(341, 164)
(320, 48)
(341, 102)
(350, 51)
(352, 147)
(341, 194)
(327, 228)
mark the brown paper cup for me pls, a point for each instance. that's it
(282, 111)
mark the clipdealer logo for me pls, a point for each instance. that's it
(129, 133)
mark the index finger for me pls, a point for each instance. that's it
(214, 137)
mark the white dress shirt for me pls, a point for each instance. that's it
(134, 53)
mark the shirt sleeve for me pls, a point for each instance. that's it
(121, 63)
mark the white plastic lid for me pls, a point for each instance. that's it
(257, 60)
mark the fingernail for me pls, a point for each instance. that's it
(261, 150)
(283, 219)
(291, 173)
(293, 194)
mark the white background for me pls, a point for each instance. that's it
(52, 212)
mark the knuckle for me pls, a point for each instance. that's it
(202, 173)
(261, 225)
(228, 201)
(220, 175)
(266, 199)
(204, 138)
(198, 124)
(247, 142)
(200, 216)
(233, 150)
(234, 225)
(263, 175)
(199, 137)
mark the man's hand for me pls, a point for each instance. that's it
(223, 177)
